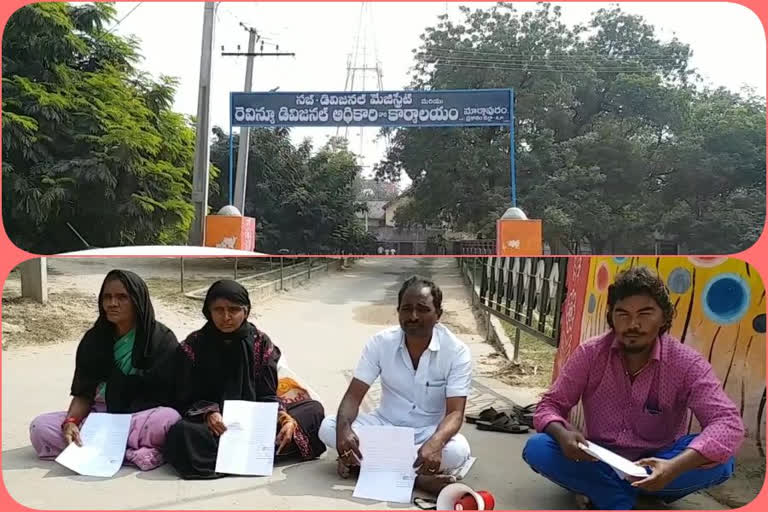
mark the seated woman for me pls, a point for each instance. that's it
(121, 366)
(230, 359)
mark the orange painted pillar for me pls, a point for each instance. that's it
(518, 237)
(230, 232)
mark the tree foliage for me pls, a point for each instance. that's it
(88, 139)
(302, 202)
(617, 142)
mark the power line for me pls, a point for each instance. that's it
(545, 70)
(138, 4)
(528, 58)
(104, 34)
(261, 37)
(87, 9)
(534, 65)
(233, 15)
(564, 54)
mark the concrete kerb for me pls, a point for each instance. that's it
(499, 337)
(490, 325)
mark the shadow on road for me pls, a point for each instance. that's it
(313, 478)
(319, 478)
(24, 458)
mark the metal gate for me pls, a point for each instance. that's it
(526, 292)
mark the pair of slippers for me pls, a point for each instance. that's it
(518, 421)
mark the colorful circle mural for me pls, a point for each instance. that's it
(725, 298)
(620, 259)
(601, 278)
(708, 261)
(592, 304)
(758, 323)
(679, 280)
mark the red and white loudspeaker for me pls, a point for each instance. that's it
(463, 497)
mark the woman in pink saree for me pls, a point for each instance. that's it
(123, 365)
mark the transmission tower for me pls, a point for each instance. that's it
(362, 71)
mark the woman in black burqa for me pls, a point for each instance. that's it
(230, 359)
(122, 366)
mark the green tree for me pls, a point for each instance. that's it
(88, 139)
(605, 114)
(302, 202)
(714, 175)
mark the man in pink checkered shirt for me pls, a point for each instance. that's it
(637, 385)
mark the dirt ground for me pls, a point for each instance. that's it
(536, 359)
(74, 286)
(747, 480)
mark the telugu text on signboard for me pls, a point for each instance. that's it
(485, 107)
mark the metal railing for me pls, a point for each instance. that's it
(474, 247)
(526, 292)
(280, 269)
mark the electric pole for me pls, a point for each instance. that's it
(243, 148)
(202, 147)
(245, 131)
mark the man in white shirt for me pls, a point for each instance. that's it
(426, 373)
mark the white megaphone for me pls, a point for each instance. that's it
(463, 497)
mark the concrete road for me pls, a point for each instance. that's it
(321, 329)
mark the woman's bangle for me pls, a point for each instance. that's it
(71, 419)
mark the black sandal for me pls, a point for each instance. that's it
(525, 414)
(530, 408)
(503, 423)
(488, 414)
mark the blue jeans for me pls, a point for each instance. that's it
(600, 483)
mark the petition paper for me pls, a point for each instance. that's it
(386, 471)
(248, 445)
(616, 461)
(104, 438)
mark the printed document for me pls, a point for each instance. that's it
(386, 471)
(248, 445)
(104, 437)
(617, 462)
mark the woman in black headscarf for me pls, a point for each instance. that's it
(122, 366)
(230, 359)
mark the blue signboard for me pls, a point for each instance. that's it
(393, 109)
(477, 107)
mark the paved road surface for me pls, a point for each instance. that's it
(321, 329)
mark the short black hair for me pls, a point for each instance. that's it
(640, 281)
(421, 282)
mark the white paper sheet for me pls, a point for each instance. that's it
(104, 438)
(386, 472)
(616, 461)
(248, 445)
